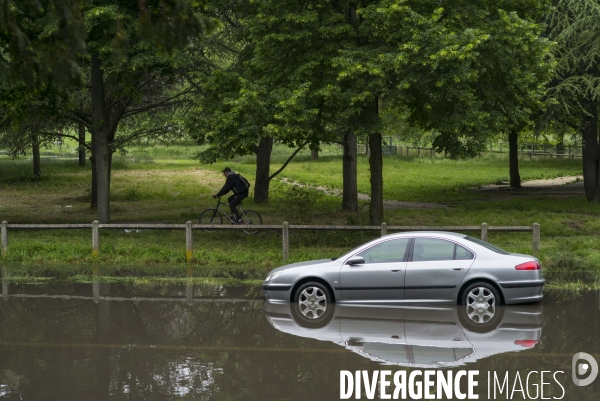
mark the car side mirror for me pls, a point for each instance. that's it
(355, 260)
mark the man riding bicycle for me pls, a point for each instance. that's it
(240, 191)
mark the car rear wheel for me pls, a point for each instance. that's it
(481, 295)
(313, 305)
(480, 312)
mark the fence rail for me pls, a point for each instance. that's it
(285, 229)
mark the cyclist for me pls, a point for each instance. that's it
(240, 192)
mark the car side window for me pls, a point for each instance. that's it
(385, 252)
(430, 249)
(462, 253)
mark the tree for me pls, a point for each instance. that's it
(28, 121)
(575, 88)
(311, 70)
(123, 59)
(267, 93)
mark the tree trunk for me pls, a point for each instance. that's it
(350, 187)
(591, 162)
(100, 126)
(513, 159)
(263, 166)
(314, 154)
(37, 162)
(110, 159)
(81, 145)
(560, 144)
(94, 192)
(376, 166)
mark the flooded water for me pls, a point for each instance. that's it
(121, 342)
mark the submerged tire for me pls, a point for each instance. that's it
(479, 311)
(313, 305)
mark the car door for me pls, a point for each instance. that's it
(436, 268)
(381, 277)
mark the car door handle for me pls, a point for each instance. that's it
(395, 271)
(458, 268)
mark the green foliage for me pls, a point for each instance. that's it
(311, 70)
(43, 40)
(573, 24)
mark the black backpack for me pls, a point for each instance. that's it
(244, 181)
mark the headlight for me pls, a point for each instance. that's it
(272, 276)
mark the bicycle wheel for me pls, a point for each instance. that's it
(210, 216)
(251, 218)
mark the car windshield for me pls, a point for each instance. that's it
(345, 253)
(488, 246)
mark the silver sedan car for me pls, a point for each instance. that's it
(432, 267)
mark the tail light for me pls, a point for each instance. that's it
(529, 266)
(526, 343)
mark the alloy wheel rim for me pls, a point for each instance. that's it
(481, 305)
(312, 302)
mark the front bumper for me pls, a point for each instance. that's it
(277, 292)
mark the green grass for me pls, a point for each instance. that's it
(420, 179)
(162, 184)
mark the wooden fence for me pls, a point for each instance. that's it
(285, 228)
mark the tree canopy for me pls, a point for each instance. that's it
(119, 65)
(311, 70)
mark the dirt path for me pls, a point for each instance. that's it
(551, 184)
(548, 183)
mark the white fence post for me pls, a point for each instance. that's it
(189, 242)
(95, 239)
(484, 236)
(286, 240)
(4, 236)
(383, 229)
(536, 239)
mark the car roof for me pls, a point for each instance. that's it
(428, 233)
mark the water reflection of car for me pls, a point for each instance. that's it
(418, 336)
(436, 267)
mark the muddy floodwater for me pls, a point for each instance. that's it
(125, 342)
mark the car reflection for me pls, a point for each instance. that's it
(415, 336)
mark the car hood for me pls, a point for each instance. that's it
(299, 264)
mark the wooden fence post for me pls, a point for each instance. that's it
(189, 242)
(484, 236)
(383, 229)
(95, 239)
(4, 236)
(536, 239)
(286, 240)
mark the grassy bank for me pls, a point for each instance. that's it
(165, 185)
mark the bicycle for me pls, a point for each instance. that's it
(215, 216)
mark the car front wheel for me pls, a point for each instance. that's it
(313, 305)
